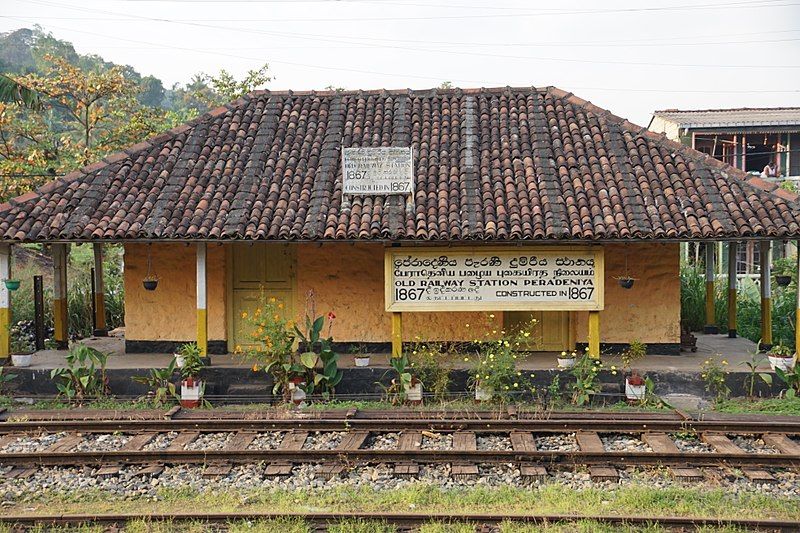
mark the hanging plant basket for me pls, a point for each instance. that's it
(626, 283)
(150, 280)
(11, 284)
(783, 281)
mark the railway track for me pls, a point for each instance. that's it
(485, 523)
(522, 435)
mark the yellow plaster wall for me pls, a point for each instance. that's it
(651, 310)
(169, 313)
(348, 280)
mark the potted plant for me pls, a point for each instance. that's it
(781, 356)
(782, 269)
(405, 384)
(191, 385)
(567, 359)
(360, 355)
(150, 282)
(635, 384)
(635, 387)
(495, 373)
(21, 352)
(11, 284)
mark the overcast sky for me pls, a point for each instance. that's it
(629, 57)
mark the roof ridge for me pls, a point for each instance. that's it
(726, 109)
(695, 155)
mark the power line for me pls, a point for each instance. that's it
(537, 13)
(437, 78)
(428, 50)
(593, 44)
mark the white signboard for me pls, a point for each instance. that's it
(384, 170)
(494, 279)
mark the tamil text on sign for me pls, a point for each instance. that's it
(384, 170)
(525, 279)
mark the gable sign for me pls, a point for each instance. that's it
(379, 171)
(494, 279)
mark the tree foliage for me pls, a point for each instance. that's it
(60, 110)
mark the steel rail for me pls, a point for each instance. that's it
(552, 425)
(403, 520)
(633, 458)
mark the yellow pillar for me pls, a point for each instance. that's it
(732, 252)
(397, 334)
(594, 334)
(5, 301)
(766, 295)
(711, 320)
(60, 315)
(100, 329)
(202, 313)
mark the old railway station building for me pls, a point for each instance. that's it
(521, 203)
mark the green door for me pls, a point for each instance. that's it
(257, 268)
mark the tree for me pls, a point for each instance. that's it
(85, 114)
(223, 88)
(13, 92)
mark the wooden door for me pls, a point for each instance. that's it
(257, 268)
(551, 332)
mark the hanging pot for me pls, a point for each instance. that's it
(626, 283)
(11, 284)
(150, 284)
(783, 281)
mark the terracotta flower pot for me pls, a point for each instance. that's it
(635, 388)
(191, 393)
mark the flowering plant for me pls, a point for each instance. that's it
(271, 346)
(495, 363)
(319, 349)
(714, 373)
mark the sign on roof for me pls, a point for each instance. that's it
(494, 279)
(379, 171)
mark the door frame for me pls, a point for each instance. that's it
(291, 252)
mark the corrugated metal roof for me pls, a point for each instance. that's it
(727, 118)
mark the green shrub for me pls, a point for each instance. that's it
(748, 306)
(79, 290)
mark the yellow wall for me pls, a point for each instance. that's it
(651, 310)
(169, 312)
(348, 280)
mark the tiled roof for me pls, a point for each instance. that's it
(727, 118)
(490, 164)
